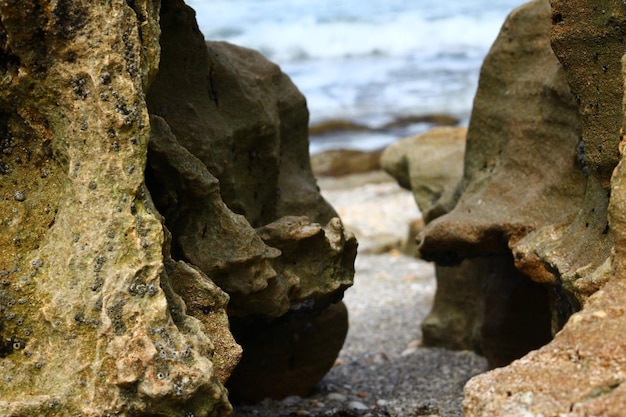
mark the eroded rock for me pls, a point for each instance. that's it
(240, 138)
(579, 373)
(430, 165)
(100, 311)
(514, 203)
(229, 169)
(93, 326)
(290, 352)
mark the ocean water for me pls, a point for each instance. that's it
(367, 61)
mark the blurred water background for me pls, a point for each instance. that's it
(382, 64)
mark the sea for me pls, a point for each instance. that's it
(367, 62)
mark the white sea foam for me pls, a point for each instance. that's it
(367, 60)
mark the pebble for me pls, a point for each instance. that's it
(19, 196)
(335, 396)
(409, 351)
(291, 400)
(356, 405)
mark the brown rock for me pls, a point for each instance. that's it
(457, 315)
(579, 373)
(222, 244)
(240, 138)
(594, 73)
(482, 304)
(509, 187)
(97, 315)
(409, 246)
(430, 165)
(287, 356)
(341, 162)
(513, 199)
(243, 119)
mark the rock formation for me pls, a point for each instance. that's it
(429, 164)
(106, 307)
(579, 373)
(510, 194)
(537, 205)
(230, 171)
(89, 322)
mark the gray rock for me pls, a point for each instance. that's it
(230, 171)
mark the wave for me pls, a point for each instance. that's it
(367, 61)
(408, 34)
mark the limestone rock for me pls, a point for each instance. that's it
(242, 118)
(509, 188)
(580, 372)
(588, 40)
(512, 199)
(101, 311)
(430, 165)
(88, 321)
(234, 157)
(222, 244)
(229, 169)
(341, 162)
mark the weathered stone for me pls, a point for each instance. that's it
(588, 39)
(96, 315)
(240, 138)
(289, 355)
(229, 153)
(243, 119)
(88, 321)
(580, 372)
(483, 304)
(222, 244)
(430, 165)
(509, 188)
(456, 318)
(341, 162)
(512, 199)
(202, 299)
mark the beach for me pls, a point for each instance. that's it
(382, 369)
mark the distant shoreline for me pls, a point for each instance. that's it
(348, 134)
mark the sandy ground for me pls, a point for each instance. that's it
(382, 369)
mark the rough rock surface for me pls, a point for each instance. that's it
(541, 146)
(229, 169)
(580, 373)
(102, 310)
(482, 305)
(514, 203)
(88, 320)
(240, 137)
(288, 354)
